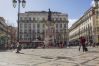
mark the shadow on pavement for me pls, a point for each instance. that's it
(3, 50)
(20, 53)
(93, 52)
(46, 57)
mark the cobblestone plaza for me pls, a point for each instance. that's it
(50, 57)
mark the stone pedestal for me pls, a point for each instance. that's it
(49, 34)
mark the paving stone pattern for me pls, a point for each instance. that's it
(50, 57)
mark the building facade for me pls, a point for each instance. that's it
(87, 26)
(12, 31)
(3, 30)
(34, 25)
(7, 34)
(4, 34)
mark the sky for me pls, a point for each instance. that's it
(74, 8)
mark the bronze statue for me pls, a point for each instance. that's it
(49, 15)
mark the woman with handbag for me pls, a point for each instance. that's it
(82, 42)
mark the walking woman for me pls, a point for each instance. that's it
(82, 42)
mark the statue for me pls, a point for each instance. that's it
(49, 15)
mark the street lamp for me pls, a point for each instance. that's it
(23, 5)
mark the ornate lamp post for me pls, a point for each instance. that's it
(23, 5)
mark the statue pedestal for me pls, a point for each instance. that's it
(49, 34)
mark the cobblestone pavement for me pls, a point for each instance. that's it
(50, 57)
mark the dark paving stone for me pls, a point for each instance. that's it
(46, 57)
(88, 61)
(69, 58)
(90, 65)
(93, 52)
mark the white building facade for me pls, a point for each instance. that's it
(32, 26)
(87, 26)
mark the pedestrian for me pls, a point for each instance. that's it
(19, 47)
(60, 45)
(79, 46)
(82, 42)
(94, 44)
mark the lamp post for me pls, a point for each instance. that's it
(23, 5)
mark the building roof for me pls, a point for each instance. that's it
(46, 12)
(80, 19)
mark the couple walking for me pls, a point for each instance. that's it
(83, 44)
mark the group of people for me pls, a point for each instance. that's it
(82, 44)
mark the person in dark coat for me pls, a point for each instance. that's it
(82, 42)
(19, 47)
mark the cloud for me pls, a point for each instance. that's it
(92, 3)
(71, 21)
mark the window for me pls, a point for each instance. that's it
(97, 14)
(33, 25)
(60, 19)
(26, 35)
(64, 25)
(43, 19)
(84, 28)
(88, 26)
(64, 19)
(90, 18)
(20, 30)
(38, 25)
(37, 19)
(20, 25)
(20, 18)
(25, 25)
(52, 19)
(97, 28)
(60, 25)
(25, 18)
(56, 19)
(34, 19)
(43, 31)
(29, 18)
(56, 31)
(33, 31)
(30, 26)
(56, 25)
(25, 31)
(38, 31)
(20, 37)
(43, 25)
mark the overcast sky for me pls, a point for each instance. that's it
(74, 8)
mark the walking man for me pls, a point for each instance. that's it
(19, 47)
